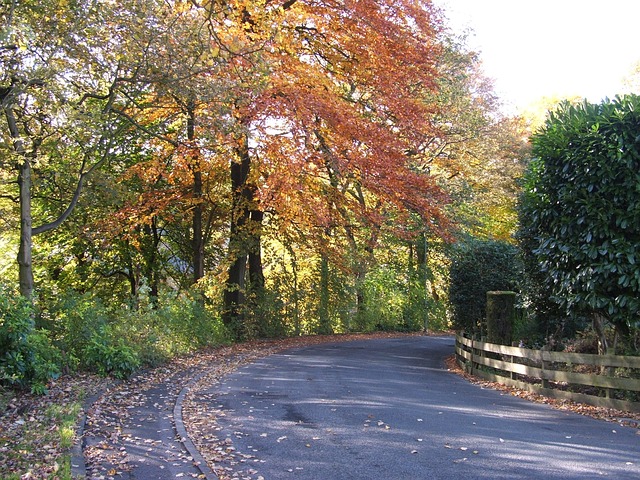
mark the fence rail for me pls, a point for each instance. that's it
(601, 380)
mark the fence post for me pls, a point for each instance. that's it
(473, 355)
(545, 380)
(500, 316)
(481, 354)
(511, 372)
(609, 371)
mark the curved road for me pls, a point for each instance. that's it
(386, 409)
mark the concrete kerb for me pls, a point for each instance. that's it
(78, 465)
(198, 459)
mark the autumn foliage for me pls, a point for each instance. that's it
(280, 160)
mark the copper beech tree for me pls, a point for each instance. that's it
(320, 110)
(223, 133)
(303, 116)
(327, 139)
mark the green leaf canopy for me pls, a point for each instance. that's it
(582, 205)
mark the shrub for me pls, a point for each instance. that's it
(145, 332)
(581, 210)
(479, 266)
(75, 319)
(28, 358)
(384, 300)
(110, 356)
(173, 324)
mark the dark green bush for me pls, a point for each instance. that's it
(110, 356)
(384, 301)
(171, 325)
(479, 266)
(581, 210)
(75, 319)
(27, 358)
(148, 331)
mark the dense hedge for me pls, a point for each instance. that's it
(479, 266)
(580, 213)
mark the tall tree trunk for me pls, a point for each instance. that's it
(198, 237)
(244, 246)
(410, 260)
(257, 303)
(25, 269)
(151, 257)
(324, 321)
(234, 295)
(296, 294)
(197, 241)
(422, 258)
(599, 328)
(256, 273)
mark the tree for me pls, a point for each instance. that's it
(170, 89)
(582, 210)
(477, 153)
(332, 122)
(57, 130)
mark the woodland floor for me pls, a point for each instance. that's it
(37, 433)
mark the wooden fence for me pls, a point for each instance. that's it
(601, 380)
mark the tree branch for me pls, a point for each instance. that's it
(136, 124)
(76, 194)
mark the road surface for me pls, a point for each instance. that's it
(387, 409)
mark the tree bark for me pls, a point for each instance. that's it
(598, 326)
(151, 258)
(324, 322)
(197, 240)
(424, 274)
(244, 246)
(25, 269)
(256, 273)
(234, 295)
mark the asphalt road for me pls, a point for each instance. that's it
(387, 409)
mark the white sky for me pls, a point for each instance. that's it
(543, 48)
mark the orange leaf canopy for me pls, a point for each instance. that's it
(343, 97)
